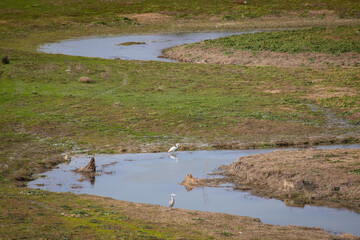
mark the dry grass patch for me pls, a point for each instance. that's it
(201, 54)
(275, 91)
(306, 176)
(150, 18)
(320, 92)
(84, 79)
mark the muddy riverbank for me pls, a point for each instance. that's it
(201, 54)
(299, 177)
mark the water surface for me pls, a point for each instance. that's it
(108, 47)
(152, 177)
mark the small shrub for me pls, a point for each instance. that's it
(228, 17)
(224, 233)
(329, 155)
(355, 171)
(5, 60)
(80, 212)
(66, 207)
(94, 221)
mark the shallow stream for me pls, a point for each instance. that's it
(110, 47)
(152, 177)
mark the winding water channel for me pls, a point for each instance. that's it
(152, 177)
(111, 48)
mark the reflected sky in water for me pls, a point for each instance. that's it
(152, 177)
(108, 47)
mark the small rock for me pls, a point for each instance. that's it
(190, 182)
(85, 80)
(117, 104)
(88, 168)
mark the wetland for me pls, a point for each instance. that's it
(151, 177)
(53, 105)
(131, 47)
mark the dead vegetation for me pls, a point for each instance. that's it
(150, 18)
(84, 80)
(191, 182)
(318, 92)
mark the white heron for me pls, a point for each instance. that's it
(173, 148)
(172, 200)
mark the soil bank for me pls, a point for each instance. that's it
(311, 176)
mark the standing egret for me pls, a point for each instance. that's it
(172, 200)
(173, 148)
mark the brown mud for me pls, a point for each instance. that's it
(199, 54)
(328, 177)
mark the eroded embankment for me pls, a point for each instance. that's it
(330, 177)
(303, 176)
(200, 53)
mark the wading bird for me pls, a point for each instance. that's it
(172, 200)
(173, 148)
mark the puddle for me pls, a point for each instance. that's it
(118, 47)
(152, 177)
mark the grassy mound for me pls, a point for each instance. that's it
(320, 40)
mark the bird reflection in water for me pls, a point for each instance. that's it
(173, 156)
(172, 200)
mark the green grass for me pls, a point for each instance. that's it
(147, 101)
(83, 10)
(355, 171)
(321, 40)
(137, 103)
(45, 110)
(41, 215)
(130, 105)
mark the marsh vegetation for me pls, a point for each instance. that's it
(135, 106)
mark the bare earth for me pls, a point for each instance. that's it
(199, 54)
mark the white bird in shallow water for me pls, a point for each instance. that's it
(173, 148)
(172, 200)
